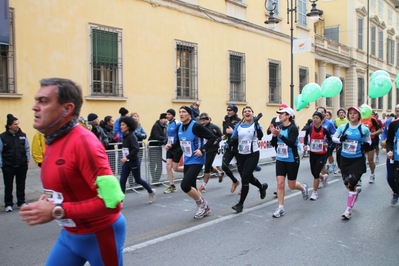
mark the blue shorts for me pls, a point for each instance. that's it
(103, 248)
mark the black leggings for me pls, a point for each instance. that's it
(246, 166)
(227, 157)
(393, 176)
(209, 158)
(191, 172)
(317, 162)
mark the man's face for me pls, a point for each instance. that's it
(47, 110)
(341, 114)
(185, 117)
(230, 112)
(163, 121)
(169, 117)
(14, 126)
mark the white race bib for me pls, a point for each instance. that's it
(57, 198)
(282, 150)
(316, 145)
(186, 147)
(350, 146)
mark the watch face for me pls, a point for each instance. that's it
(58, 213)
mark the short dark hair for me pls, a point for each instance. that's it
(67, 92)
(130, 123)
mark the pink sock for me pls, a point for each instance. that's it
(351, 199)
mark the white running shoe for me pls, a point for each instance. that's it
(152, 196)
(278, 213)
(305, 192)
(337, 172)
(347, 214)
(202, 210)
(377, 159)
(372, 179)
(8, 209)
(324, 181)
(314, 196)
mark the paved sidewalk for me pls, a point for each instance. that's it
(33, 187)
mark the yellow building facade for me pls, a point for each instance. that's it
(149, 56)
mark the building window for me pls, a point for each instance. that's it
(106, 62)
(373, 4)
(186, 71)
(390, 100)
(274, 82)
(342, 94)
(7, 71)
(397, 22)
(390, 16)
(373, 41)
(302, 18)
(303, 78)
(360, 91)
(380, 103)
(391, 51)
(360, 33)
(381, 45)
(373, 103)
(332, 33)
(381, 8)
(237, 77)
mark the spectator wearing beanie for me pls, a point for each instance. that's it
(14, 160)
(157, 138)
(93, 120)
(117, 125)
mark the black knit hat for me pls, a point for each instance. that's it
(171, 111)
(123, 111)
(319, 115)
(91, 117)
(233, 107)
(162, 116)
(10, 119)
(188, 109)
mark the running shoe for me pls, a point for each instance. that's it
(372, 179)
(314, 196)
(278, 213)
(258, 168)
(337, 172)
(170, 190)
(275, 193)
(331, 169)
(234, 186)
(238, 207)
(263, 191)
(202, 189)
(202, 210)
(394, 199)
(359, 183)
(305, 192)
(377, 159)
(8, 209)
(358, 190)
(152, 196)
(220, 176)
(347, 214)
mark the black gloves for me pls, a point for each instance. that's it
(343, 138)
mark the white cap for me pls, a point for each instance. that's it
(287, 110)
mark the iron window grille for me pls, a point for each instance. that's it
(237, 77)
(274, 82)
(186, 71)
(7, 61)
(106, 62)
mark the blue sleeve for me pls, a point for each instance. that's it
(332, 128)
(385, 131)
(235, 132)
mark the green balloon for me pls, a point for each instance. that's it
(331, 87)
(366, 111)
(379, 86)
(311, 92)
(299, 103)
(379, 73)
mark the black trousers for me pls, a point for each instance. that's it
(19, 173)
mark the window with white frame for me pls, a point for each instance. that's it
(381, 44)
(381, 8)
(7, 71)
(390, 100)
(274, 81)
(360, 91)
(373, 41)
(390, 51)
(303, 78)
(237, 77)
(302, 10)
(390, 16)
(373, 4)
(360, 33)
(186, 71)
(397, 22)
(106, 61)
(332, 33)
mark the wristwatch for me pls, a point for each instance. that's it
(58, 212)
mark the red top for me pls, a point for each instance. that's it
(71, 166)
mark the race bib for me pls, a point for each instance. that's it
(171, 140)
(244, 146)
(350, 146)
(282, 150)
(186, 147)
(57, 198)
(316, 145)
(125, 152)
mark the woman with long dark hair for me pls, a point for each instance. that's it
(130, 159)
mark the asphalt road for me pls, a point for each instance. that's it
(310, 233)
